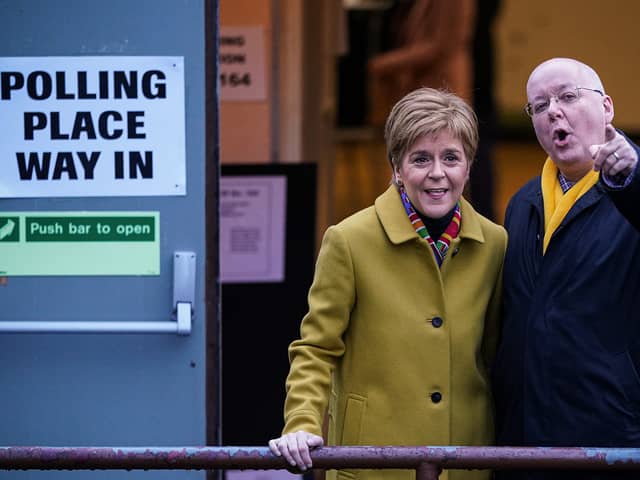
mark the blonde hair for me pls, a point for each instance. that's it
(428, 111)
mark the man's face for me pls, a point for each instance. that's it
(566, 130)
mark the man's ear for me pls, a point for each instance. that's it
(608, 109)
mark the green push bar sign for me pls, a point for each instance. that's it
(79, 243)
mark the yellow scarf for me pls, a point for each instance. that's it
(556, 203)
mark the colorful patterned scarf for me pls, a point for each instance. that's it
(441, 246)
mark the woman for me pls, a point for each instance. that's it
(404, 305)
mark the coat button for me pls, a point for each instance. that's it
(455, 252)
(436, 322)
(436, 397)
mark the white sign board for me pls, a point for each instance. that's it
(252, 228)
(241, 58)
(92, 126)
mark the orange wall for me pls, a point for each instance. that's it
(601, 34)
(245, 127)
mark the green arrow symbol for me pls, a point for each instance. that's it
(7, 229)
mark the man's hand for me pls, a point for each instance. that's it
(294, 447)
(615, 156)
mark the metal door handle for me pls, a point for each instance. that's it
(184, 289)
(184, 281)
(93, 327)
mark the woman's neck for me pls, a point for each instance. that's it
(436, 226)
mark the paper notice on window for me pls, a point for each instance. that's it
(252, 228)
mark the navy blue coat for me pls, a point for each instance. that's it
(566, 370)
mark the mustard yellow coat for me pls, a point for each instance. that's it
(370, 350)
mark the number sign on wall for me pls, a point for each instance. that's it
(242, 75)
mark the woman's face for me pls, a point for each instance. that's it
(434, 171)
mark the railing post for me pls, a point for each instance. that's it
(427, 471)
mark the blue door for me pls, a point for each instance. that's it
(102, 330)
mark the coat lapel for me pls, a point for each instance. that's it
(470, 222)
(590, 198)
(393, 218)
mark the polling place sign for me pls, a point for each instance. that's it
(92, 126)
(79, 243)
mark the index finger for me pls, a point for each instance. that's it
(613, 141)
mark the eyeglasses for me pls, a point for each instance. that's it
(566, 97)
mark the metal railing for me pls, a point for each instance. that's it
(427, 461)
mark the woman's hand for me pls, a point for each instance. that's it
(294, 447)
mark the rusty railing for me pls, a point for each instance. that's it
(427, 461)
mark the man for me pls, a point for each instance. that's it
(566, 371)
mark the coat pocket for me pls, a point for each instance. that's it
(353, 416)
